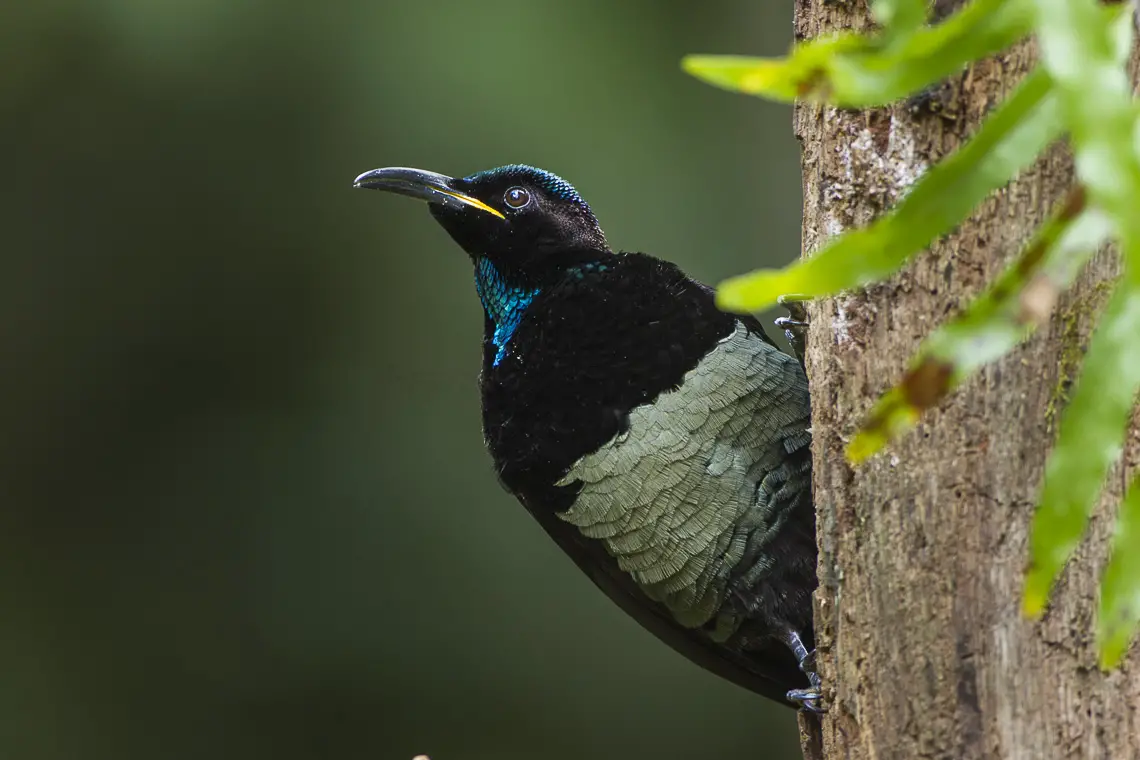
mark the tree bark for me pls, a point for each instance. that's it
(921, 645)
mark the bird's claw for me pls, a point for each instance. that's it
(795, 327)
(808, 700)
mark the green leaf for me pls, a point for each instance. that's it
(803, 74)
(993, 324)
(1090, 439)
(899, 17)
(1084, 46)
(858, 71)
(1006, 142)
(1120, 586)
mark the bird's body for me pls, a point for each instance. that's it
(662, 443)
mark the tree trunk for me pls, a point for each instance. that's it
(921, 645)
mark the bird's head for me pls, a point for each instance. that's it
(519, 217)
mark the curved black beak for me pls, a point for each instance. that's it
(427, 186)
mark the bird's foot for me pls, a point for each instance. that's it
(808, 700)
(795, 327)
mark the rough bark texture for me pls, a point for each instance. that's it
(922, 648)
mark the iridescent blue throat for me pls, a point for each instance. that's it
(505, 304)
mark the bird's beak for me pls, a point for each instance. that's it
(427, 186)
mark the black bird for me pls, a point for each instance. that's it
(662, 443)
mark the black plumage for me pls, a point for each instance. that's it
(662, 443)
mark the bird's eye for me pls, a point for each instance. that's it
(516, 197)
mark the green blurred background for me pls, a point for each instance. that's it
(245, 510)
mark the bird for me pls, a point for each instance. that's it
(662, 443)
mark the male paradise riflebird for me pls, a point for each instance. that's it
(662, 443)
